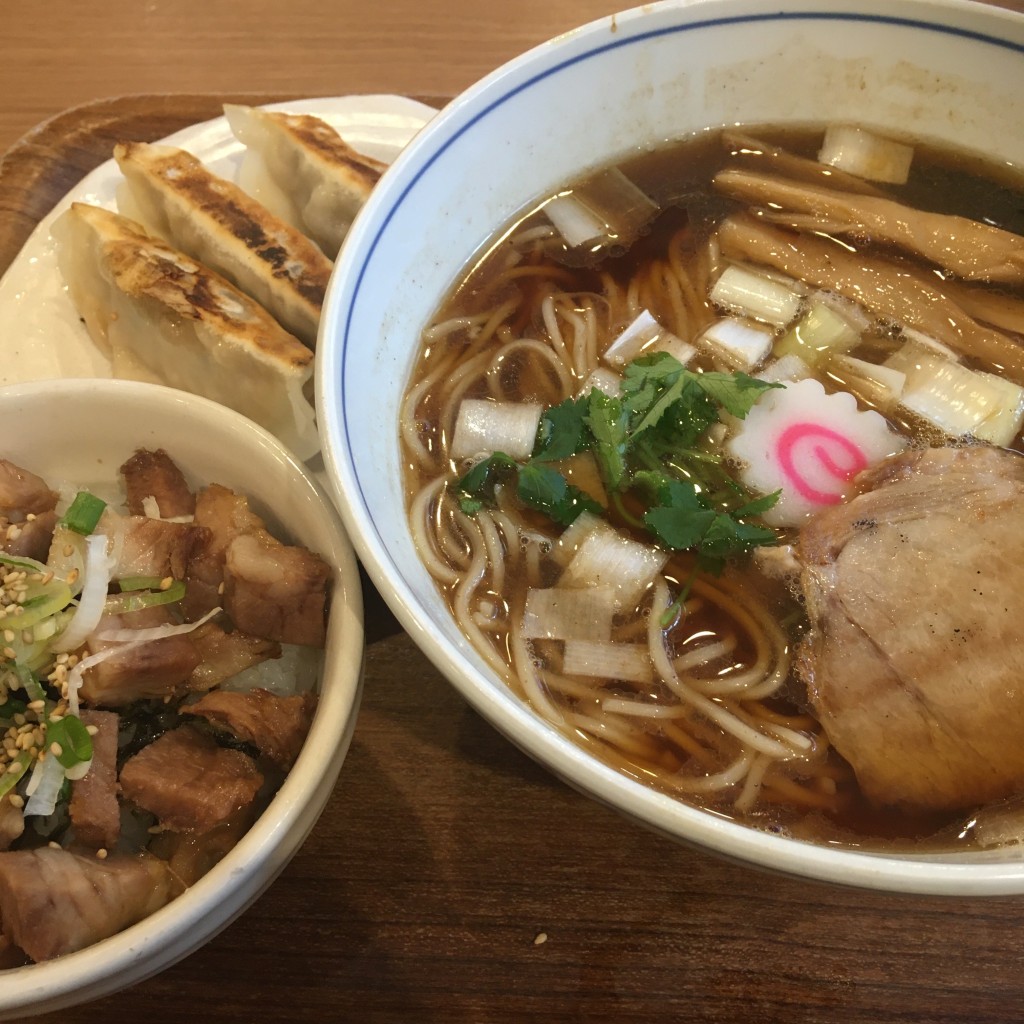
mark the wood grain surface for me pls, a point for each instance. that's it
(451, 880)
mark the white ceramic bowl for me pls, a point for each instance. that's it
(944, 69)
(81, 431)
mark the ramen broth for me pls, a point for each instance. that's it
(529, 322)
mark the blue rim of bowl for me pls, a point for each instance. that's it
(925, 875)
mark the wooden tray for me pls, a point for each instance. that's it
(453, 880)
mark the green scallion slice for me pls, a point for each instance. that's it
(84, 513)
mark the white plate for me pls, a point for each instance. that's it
(40, 331)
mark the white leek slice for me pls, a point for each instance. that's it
(756, 295)
(606, 381)
(630, 662)
(958, 401)
(558, 613)
(820, 332)
(865, 154)
(785, 370)
(739, 343)
(485, 427)
(876, 384)
(573, 536)
(608, 207)
(573, 221)
(607, 558)
(643, 336)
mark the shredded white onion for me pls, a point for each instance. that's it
(44, 786)
(97, 573)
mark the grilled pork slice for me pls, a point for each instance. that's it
(150, 547)
(154, 474)
(215, 222)
(22, 492)
(54, 902)
(190, 856)
(156, 669)
(276, 726)
(12, 823)
(29, 538)
(915, 657)
(276, 591)
(95, 812)
(269, 589)
(224, 655)
(189, 782)
(224, 515)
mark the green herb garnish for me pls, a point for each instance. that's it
(651, 445)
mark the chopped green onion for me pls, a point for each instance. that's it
(140, 592)
(84, 513)
(73, 738)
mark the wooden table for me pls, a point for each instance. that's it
(451, 879)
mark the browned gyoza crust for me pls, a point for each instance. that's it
(214, 221)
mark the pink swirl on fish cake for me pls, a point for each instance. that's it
(802, 434)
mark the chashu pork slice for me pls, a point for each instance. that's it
(174, 196)
(304, 171)
(54, 902)
(915, 660)
(161, 316)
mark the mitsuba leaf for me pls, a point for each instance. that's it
(476, 488)
(546, 490)
(734, 392)
(609, 424)
(563, 431)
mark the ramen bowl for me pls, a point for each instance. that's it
(79, 432)
(951, 70)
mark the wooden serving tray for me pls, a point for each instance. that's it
(453, 881)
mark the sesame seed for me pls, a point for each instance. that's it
(56, 749)
(9, 635)
(9, 652)
(72, 577)
(53, 846)
(17, 800)
(90, 729)
(166, 583)
(13, 767)
(101, 853)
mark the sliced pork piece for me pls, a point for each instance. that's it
(12, 823)
(190, 856)
(223, 655)
(276, 726)
(150, 547)
(224, 516)
(154, 474)
(22, 492)
(275, 591)
(95, 812)
(29, 538)
(190, 782)
(54, 902)
(916, 652)
(156, 669)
